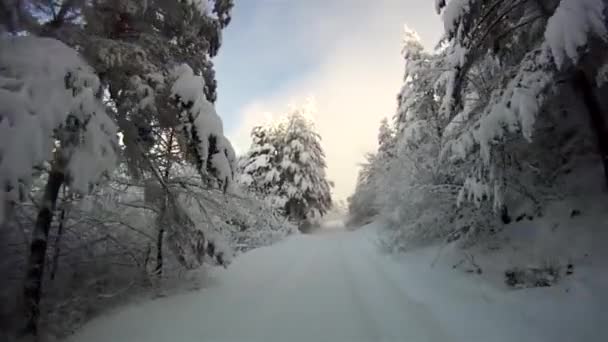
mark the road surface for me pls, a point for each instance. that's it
(333, 286)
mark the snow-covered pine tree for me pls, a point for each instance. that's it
(303, 179)
(260, 167)
(386, 139)
(365, 202)
(362, 204)
(420, 128)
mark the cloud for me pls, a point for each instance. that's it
(354, 84)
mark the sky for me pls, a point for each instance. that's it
(343, 53)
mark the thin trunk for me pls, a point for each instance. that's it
(38, 247)
(161, 231)
(596, 117)
(148, 256)
(159, 253)
(57, 244)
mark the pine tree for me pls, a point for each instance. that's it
(363, 204)
(303, 178)
(386, 139)
(260, 168)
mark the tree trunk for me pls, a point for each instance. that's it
(596, 117)
(158, 271)
(57, 244)
(159, 253)
(38, 247)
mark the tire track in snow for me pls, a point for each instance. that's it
(261, 291)
(370, 323)
(423, 324)
(271, 303)
(424, 314)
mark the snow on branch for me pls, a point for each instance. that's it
(453, 12)
(513, 109)
(201, 124)
(411, 43)
(48, 97)
(570, 27)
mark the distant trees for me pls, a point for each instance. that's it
(490, 121)
(287, 162)
(366, 202)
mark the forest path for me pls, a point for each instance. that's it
(331, 286)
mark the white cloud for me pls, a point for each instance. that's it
(354, 85)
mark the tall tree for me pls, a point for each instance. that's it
(303, 177)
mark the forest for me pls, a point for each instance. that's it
(120, 183)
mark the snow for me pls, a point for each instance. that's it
(439, 4)
(336, 286)
(569, 28)
(453, 13)
(222, 165)
(473, 190)
(144, 92)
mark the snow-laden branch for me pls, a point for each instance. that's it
(49, 104)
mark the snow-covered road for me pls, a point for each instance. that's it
(333, 286)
